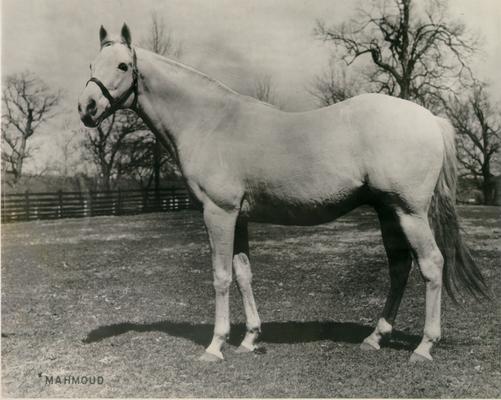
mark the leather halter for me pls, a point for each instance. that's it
(117, 102)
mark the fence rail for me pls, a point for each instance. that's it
(31, 206)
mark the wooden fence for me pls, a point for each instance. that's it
(31, 206)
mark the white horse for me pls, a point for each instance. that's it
(245, 160)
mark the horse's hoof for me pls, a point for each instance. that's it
(260, 350)
(369, 345)
(242, 349)
(209, 357)
(419, 358)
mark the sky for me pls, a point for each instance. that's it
(234, 41)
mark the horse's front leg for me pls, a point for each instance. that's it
(243, 273)
(220, 225)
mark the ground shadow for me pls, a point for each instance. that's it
(272, 332)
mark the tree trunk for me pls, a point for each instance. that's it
(487, 184)
(486, 193)
(106, 179)
(18, 164)
(405, 90)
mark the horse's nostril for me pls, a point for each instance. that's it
(79, 108)
(92, 107)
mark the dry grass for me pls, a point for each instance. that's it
(131, 299)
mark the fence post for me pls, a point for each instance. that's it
(176, 199)
(170, 199)
(144, 193)
(90, 203)
(158, 203)
(119, 202)
(27, 204)
(82, 202)
(5, 217)
(60, 208)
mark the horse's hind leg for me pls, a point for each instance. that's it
(242, 268)
(400, 262)
(430, 261)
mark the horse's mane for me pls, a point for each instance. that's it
(199, 74)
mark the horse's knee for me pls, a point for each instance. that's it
(243, 273)
(222, 282)
(431, 267)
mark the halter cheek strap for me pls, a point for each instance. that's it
(105, 91)
(116, 103)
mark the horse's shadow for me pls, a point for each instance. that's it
(272, 332)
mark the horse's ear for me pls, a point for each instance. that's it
(102, 34)
(126, 34)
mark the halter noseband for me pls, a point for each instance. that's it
(116, 103)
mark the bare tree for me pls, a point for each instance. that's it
(138, 157)
(414, 54)
(27, 104)
(160, 40)
(478, 124)
(104, 145)
(334, 85)
(67, 148)
(265, 91)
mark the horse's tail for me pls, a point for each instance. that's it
(460, 269)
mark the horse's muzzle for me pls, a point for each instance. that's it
(89, 108)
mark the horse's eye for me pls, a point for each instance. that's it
(122, 66)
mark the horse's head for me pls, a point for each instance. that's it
(113, 82)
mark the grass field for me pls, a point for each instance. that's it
(131, 299)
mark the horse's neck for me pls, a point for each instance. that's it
(180, 104)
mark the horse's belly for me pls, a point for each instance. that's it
(275, 210)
